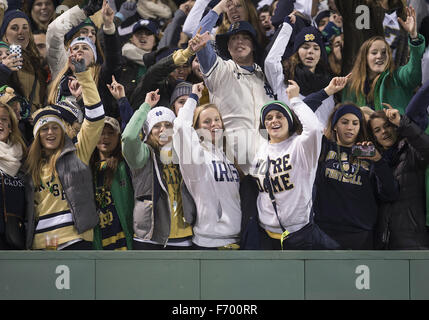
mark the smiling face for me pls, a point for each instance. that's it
(384, 132)
(211, 123)
(42, 10)
(5, 125)
(18, 32)
(240, 47)
(377, 58)
(309, 54)
(347, 129)
(143, 39)
(277, 126)
(181, 73)
(109, 140)
(162, 133)
(51, 135)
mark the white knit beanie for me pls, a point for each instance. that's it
(156, 115)
(87, 41)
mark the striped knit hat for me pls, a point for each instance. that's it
(44, 116)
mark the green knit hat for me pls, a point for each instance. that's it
(276, 105)
(4, 45)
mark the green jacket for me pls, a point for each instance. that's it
(397, 88)
(123, 197)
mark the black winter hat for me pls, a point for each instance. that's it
(310, 34)
(240, 26)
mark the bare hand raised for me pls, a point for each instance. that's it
(152, 98)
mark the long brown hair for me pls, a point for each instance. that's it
(289, 66)
(376, 115)
(112, 162)
(330, 132)
(15, 135)
(360, 69)
(32, 63)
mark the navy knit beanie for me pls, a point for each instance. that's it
(9, 16)
(310, 34)
(31, 2)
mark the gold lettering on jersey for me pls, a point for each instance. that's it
(106, 219)
(279, 177)
(335, 172)
(337, 175)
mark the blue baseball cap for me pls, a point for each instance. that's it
(150, 25)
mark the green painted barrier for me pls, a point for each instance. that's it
(214, 275)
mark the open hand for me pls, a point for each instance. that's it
(199, 41)
(410, 24)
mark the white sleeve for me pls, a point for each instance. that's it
(324, 111)
(186, 143)
(304, 6)
(273, 61)
(57, 29)
(194, 17)
(310, 140)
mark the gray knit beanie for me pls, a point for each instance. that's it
(181, 89)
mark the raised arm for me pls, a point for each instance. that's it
(158, 73)
(172, 32)
(190, 26)
(207, 55)
(410, 75)
(135, 151)
(311, 137)
(93, 123)
(273, 61)
(186, 142)
(57, 29)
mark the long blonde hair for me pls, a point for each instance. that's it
(37, 158)
(196, 126)
(54, 87)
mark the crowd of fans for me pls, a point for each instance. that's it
(214, 124)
